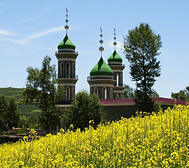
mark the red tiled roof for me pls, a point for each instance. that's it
(117, 101)
(169, 101)
(131, 101)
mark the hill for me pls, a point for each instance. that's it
(12, 92)
(27, 110)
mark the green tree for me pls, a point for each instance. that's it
(23, 122)
(9, 115)
(181, 95)
(128, 92)
(3, 111)
(141, 49)
(42, 90)
(12, 115)
(33, 121)
(84, 108)
(154, 93)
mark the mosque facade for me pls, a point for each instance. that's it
(105, 80)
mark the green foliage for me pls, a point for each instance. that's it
(154, 93)
(128, 92)
(28, 109)
(23, 122)
(141, 49)
(9, 115)
(83, 109)
(21, 131)
(3, 111)
(181, 95)
(12, 92)
(33, 121)
(42, 90)
(12, 115)
(157, 107)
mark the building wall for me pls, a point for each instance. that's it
(62, 69)
(70, 91)
(101, 93)
(116, 112)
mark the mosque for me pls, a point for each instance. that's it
(105, 80)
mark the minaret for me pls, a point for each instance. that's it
(101, 77)
(66, 56)
(115, 63)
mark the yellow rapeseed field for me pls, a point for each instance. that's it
(158, 140)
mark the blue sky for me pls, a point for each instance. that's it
(30, 30)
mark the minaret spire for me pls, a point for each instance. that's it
(101, 42)
(66, 26)
(114, 43)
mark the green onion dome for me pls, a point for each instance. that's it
(115, 57)
(66, 43)
(101, 68)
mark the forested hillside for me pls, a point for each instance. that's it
(27, 110)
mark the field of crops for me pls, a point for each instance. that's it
(159, 140)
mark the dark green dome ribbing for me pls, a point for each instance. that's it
(114, 57)
(66, 43)
(101, 68)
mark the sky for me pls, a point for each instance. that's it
(30, 30)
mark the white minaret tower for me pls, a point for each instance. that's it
(66, 56)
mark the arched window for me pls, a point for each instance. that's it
(121, 79)
(117, 79)
(62, 70)
(68, 70)
(67, 93)
(73, 70)
(121, 96)
(104, 93)
(73, 92)
(111, 93)
(96, 91)
(117, 96)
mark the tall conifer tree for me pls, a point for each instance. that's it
(141, 49)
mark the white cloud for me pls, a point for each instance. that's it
(5, 33)
(16, 41)
(25, 39)
(28, 20)
(46, 32)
